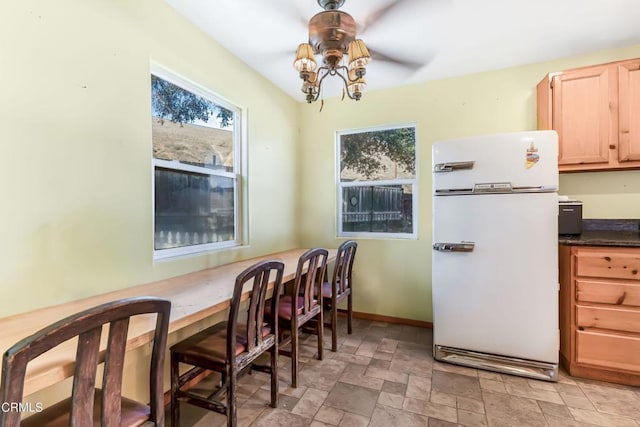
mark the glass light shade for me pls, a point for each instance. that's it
(305, 60)
(311, 82)
(359, 55)
(356, 84)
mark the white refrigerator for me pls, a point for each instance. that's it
(495, 253)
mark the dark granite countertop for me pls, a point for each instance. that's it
(606, 232)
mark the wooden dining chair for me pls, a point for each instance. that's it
(339, 288)
(88, 405)
(230, 348)
(294, 313)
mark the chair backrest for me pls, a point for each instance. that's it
(312, 267)
(344, 266)
(87, 326)
(260, 273)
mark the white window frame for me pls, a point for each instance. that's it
(239, 168)
(413, 182)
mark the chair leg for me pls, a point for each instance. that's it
(334, 327)
(274, 375)
(232, 413)
(294, 356)
(349, 313)
(175, 384)
(320, 325)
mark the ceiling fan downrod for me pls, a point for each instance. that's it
(330, 4)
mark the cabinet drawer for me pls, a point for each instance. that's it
(627, 294)
(608, 350)
(616, 264)
(617, 319)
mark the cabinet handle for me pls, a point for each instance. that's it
(454, 247)
(453, 166)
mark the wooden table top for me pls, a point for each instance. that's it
(194, 296)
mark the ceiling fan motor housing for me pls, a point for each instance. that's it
(330, 33)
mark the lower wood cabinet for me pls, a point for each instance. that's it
(600, 312)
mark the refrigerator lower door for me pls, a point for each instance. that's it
(495, 277)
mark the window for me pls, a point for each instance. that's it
(196, 162)
(377, 182)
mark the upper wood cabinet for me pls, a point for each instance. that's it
(596, 112)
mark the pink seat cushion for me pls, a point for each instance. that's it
(211, 343)
(284, 307)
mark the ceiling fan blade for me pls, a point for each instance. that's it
(375, 16)
(412, 65)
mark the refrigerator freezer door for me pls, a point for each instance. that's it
(524, 159)
(501, 297)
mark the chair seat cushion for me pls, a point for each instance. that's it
(211, 343)
(327, 291)
(284, 307)
(133, 413)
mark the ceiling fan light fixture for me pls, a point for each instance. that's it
(305, 59)
(357, 84)
(332, 34)
(359, 55)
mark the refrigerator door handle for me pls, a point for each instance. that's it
(454, 247)
(453, 166)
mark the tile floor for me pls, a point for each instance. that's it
(384, 376)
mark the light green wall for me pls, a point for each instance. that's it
(393, 277)
(75, 130)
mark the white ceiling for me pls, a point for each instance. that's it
(444, 38)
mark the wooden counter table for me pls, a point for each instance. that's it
(194, 296)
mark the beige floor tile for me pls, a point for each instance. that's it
(455, 369)
(310, 402)
(394, 388)
(430, 409)
(434, 422)
(355, 378)
(329, 415)
(492, 385)
(471, 405)
(279, 418)
(554, 421)
(385, 416)
(524, 390)
(383, 356)
(352, 358)
(352, 398)
(316, 423)
(443, 398)
(555, 410)
(601, 419)
(581, 402)
(418, 387)
(504, 410)
(457, 384)
(471, 419)
(354, 420)
(488, 375)
(542, 385)
(388, 345)
(322, 375)
(388, 399)
(612, 398)
(386, 374)
(367, 349)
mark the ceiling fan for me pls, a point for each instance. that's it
(332, 37)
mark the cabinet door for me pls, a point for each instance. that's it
(629, 111)
(583, 116)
